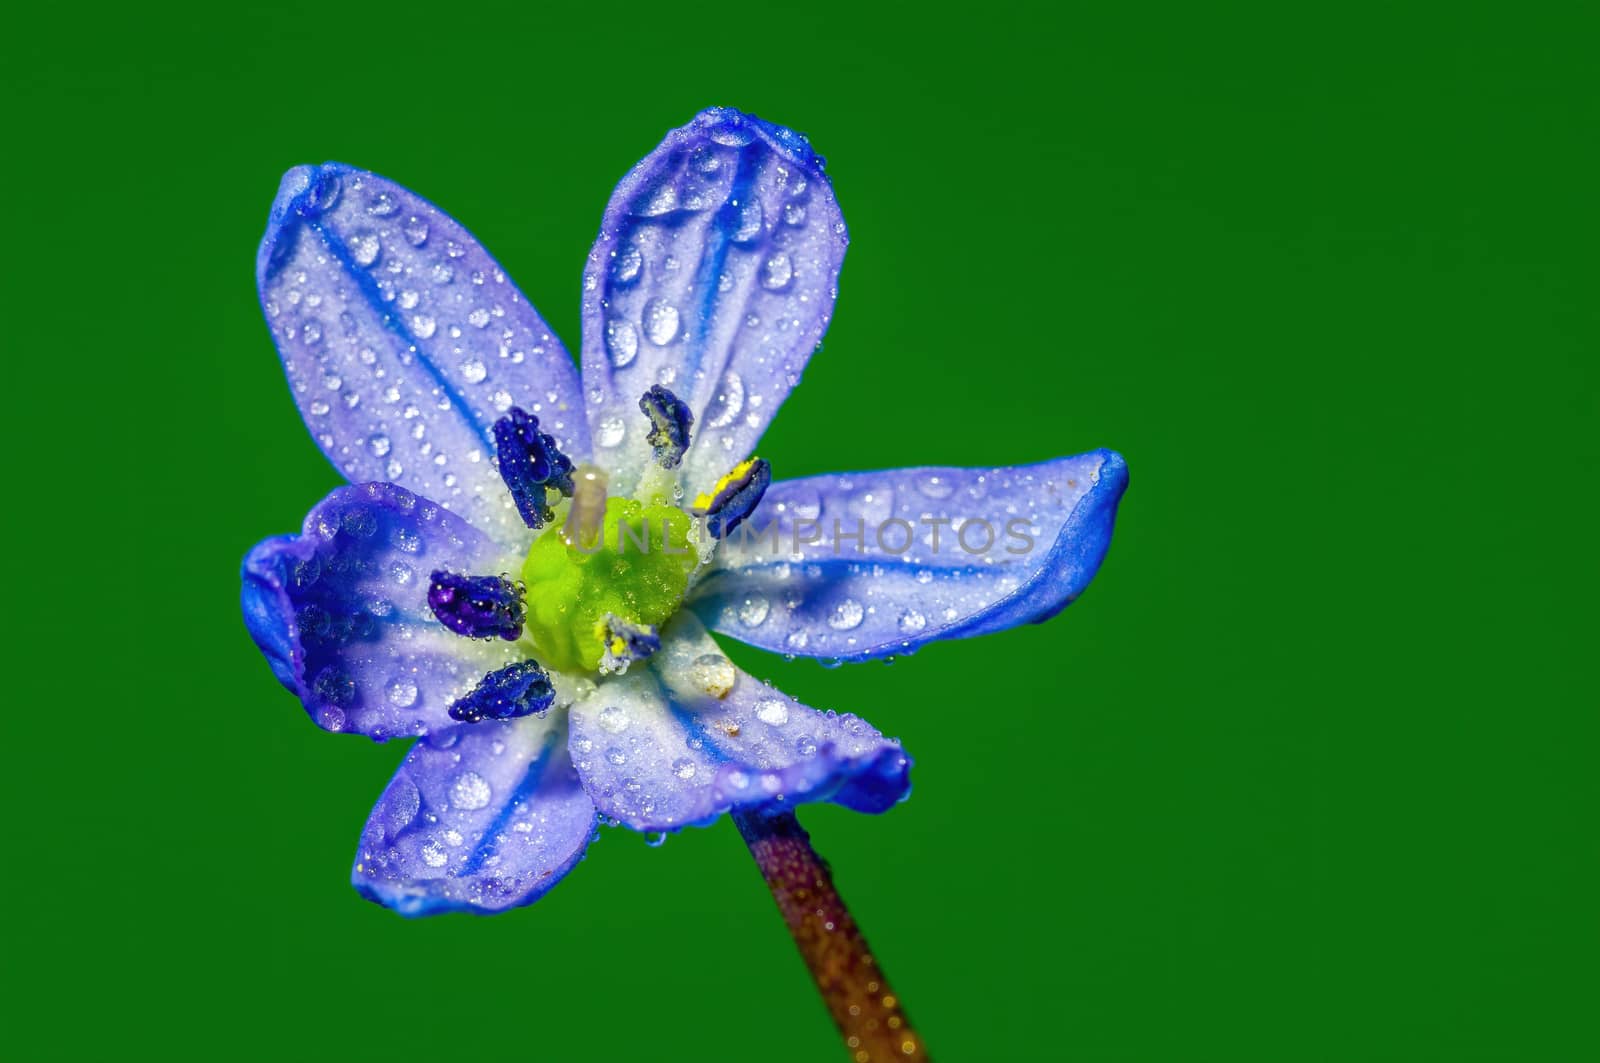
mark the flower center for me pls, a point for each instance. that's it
(588, 587)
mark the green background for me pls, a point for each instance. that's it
(1308, 774)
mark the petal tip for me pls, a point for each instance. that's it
(1113, 474)
(729, 125)
(305, 192)
(267, 614)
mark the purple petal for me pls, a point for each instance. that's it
(689, 737)
(714, 275)
(481, 818)
(404, 341)
(1016, 545)
(341, 611)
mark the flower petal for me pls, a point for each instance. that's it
(404, 341)
(341, 611)
(480, 818)
(714, 275)
(689, 737)
(942, 553)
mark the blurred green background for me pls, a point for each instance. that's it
(1308, 774)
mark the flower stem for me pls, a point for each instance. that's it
(866, 1010)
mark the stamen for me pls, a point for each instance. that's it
(735, 497)
(478, 607)
(586, 517)
(669, 425)
(531, 465)
(625, 642)
(519, 689)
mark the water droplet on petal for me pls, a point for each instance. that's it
(753, 610)
(611, 432)
(772, 711)
(622, 343)
(912, 621)
(660, 322)
(727, 402)
(846, 615)
(713, 673)
(776, 271)
(402, 693)
(612, 719)
(627, 265)
(364, 248)
(470, 791)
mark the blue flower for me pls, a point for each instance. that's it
(474, 586)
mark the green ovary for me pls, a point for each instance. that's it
(630, 572)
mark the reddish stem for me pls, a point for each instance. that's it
(866, 1010)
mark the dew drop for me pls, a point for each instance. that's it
(470, 791)
(379, 445)
(727, 402)
(748, 222)
(776, 271)
(753, 610)
(402, 693)
(433, 854)
(627, 265)
(713, 673)
(683, 768)
(660, 322)
(846, 615)
(612, 719)
(912, 621)
(424, 326)
(622, 343)
(806, 504)
(473, 371)
(364, 248)
(773, 712)
(611, 432)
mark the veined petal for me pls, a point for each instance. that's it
(690, 736)
(864, 565)
(341, 611)
(480, 818)
(714, 275)
(404, 341)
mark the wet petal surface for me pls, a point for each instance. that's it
(714, 275)
(404, 341)
(861, 565)
(690, 736)
(479, 818)
(341, 612)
